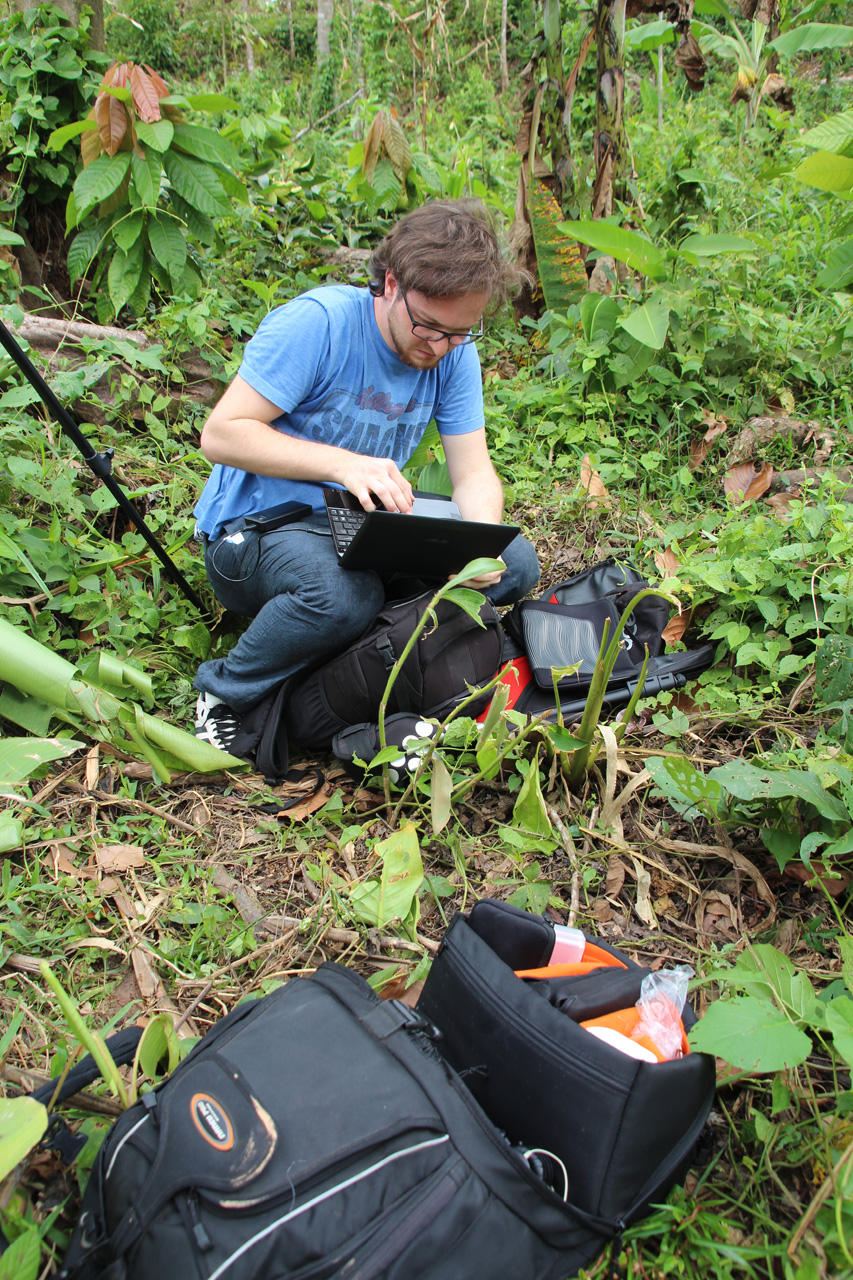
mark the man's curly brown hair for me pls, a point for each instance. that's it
(444, 249)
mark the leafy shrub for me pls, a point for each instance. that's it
(148, 33)
(46, 75)
(135, 230)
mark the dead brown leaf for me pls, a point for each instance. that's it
(93, 767)
(398, 990)
(667, 562)
(677, 626)
(602, 911)
(307, 806)
(59, 862)
(834, 880)
(745, 483)
(781, 502)
(699, 449)
(615, 876)
(590, 480)
(119, 857)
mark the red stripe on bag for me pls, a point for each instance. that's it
(517, 675)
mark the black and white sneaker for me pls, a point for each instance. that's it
(215, 722)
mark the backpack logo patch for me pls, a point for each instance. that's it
(212, 1122)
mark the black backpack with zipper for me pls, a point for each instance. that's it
(453, 654)
(317, 1133)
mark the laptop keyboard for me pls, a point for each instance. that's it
(344, 524)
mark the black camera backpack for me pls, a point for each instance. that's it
(317, 1133)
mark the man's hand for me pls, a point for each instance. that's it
(369, 478)
(485, 580)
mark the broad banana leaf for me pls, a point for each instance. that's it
(561, 270)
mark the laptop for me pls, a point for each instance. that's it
(433, 541)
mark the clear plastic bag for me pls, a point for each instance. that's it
(662, 998)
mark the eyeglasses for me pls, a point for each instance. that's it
(429, 334)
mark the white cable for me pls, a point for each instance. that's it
(540, 1151)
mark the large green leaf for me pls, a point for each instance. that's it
(561, 270)
(628, 247)
(599, 313)
(378, 902)
(19, 757)
(205, 144)
(22, 1259)
(529, 813)
(196, 183)
(23, 1123)
(11, 833)
(126, 230)
(99, 180)
(168, 244)
(156, 134)
(827, 171)
(650, 35)
(747, 782)
(124, 272)
(810, 37)
(839, 1020)
(834, 134)
(684, 785)
(145, 175)
(59, 137)
(198, 224)
(751, 1034)
(649, 324)
(712, 246)
(212, 102)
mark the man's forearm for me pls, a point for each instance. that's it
(479, 496)
(256, 447)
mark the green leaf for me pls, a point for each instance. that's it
(99, 180)
(212, 102)
(751, 1034)
(205, 144)
(57, 140)
(145, 176)
(21, 1261)
(157, 134)
(391, 897)
(440, 789)
(626, 246)
(19, 757)
(82, 252)
(810, 37)
(529, 813)
(677, 779)
(561, 269)
(126, 230)
(650, 35)
(845, 946)
(168, 244)
(834, 669)
(839, 1021)
(838, 272)
(435, 478)
(11, 833)
(599, 314)
(158, 1042)
(712, 246)
(198, 224)
(834, 134)
(10, 237)
(748, 782)
(649, 324)
(23, 1123)
(196, 183)
(826, 171)
(123, 275)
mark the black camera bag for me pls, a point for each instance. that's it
(317, 1133)
(624, 1129)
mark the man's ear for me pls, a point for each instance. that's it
(391, 286)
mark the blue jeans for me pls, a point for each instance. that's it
(304, 607)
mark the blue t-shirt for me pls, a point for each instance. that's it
(322, 360)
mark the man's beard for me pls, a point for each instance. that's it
(397, 331)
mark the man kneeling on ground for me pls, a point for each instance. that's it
(337, 388)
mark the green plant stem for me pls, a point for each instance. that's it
(90, 1040)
